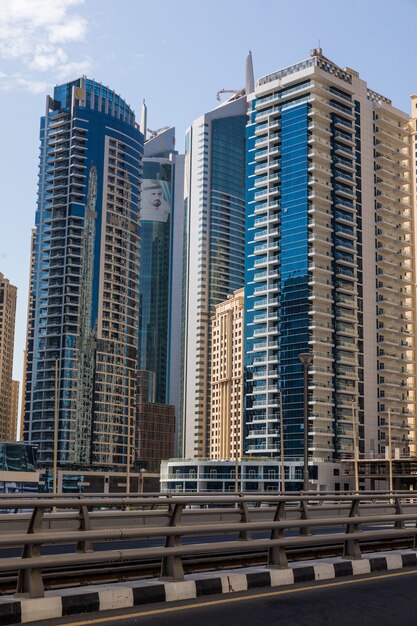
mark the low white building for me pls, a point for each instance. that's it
(182, 475)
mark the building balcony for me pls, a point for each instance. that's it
(319, 129)
(349, 358)
(274, 124)
(263, 289)
(398, 140)
(260, 154)
(346, 138)
(267, 101)
(320, 156)
(323, 356)
(260, 332)
(260, 128)
(262, 168)
(342, 108)
(390, 123)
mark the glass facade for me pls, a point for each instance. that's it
(82, 349)
(301, 273)
(319, 264)
(227, 223)
(155, 227)
(17, 457)
(293, 302)
(214, 249)
(277, 282)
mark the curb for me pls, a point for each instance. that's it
(63, 602)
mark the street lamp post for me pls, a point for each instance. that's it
(56, 418)
(281, 437)
(306, 359)
(355, 447)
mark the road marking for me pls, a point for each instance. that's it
(269, 594)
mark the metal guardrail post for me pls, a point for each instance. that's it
(277, 556)
(171, 566)
(29, 581)
(305, 530)
(84, 524)
(244, 535)
(399, 523)
(352, 548)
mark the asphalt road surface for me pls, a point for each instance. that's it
(388, 599)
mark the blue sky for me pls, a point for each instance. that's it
(176, 55)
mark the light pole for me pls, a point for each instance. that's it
(355, 447)
(56, 417)
(306, 359)
(390, 451)
(281, 437)
(128, 437)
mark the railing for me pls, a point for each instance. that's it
(355, 518)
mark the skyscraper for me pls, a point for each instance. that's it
(214, 250)
(8, 294)
(161, 244)
(227, 399)
(329, 267)
(83, 321)
(413, 157)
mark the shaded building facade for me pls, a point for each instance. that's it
(161, 245)
(155, 425)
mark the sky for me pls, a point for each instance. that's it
(175, 54)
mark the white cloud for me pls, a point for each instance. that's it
(71, 70)
(35, 40)
(47, 57)
(8, 83)
(35, 86)
(74, 30)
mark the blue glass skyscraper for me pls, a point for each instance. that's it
(83, 330)
(328, 268)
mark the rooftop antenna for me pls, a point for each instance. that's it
(143, 120)
(250, 79)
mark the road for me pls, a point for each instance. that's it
(388, 599)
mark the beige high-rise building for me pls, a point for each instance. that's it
(7, 322)
(413, 353)
(226, 406)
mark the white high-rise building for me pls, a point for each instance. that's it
(215, 153)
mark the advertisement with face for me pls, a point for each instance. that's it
(156, 200)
